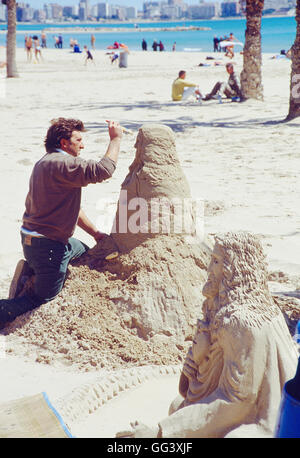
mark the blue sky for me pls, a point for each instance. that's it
(136, 3)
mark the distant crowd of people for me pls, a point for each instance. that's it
(156, 46)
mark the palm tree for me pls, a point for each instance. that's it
(251, 78)
(294, 108)
(12, 71)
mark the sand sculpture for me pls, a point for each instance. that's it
(139, 307)
(242, 353)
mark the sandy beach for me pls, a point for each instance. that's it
(240, 159)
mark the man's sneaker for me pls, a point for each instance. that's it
(21, 275)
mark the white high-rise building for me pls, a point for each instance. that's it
(82, 11)
(2, 12)
(131, 12)
(203, 10)
(48, 11)
(103, 10)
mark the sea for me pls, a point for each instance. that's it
(277, 33)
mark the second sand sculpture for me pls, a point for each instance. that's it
(242, 353)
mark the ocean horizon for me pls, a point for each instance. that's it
(277, 33)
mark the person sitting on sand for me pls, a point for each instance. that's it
(182, 89)
(231, 89)
(52, 211)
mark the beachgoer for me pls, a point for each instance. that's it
(174, 46)
(44, 40)
(114, 56)
(56, 40)
(182, 89)
(154, 45)
(52, 211)
(76, 47)
(93, 41)
(60, 42)
(144, 45)
(230, 89)
(37, 49)
(216, 43)
(88, 55)
(28, 47)
(229, 49)
(283, 54)
(161, 46)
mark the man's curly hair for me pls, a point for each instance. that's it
(61, 128)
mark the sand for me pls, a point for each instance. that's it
(239, 158)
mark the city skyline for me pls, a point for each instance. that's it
(37, 4)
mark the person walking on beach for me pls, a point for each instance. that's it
(231, 89)
(161, 46)
(229, 49)
(174, 46)
(182, 89)
(88, 55)
(52, 212)
(154, 45)
(28, 47)
(37, 49)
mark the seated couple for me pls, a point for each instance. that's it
(182, 90)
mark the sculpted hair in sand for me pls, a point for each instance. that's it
(61, 128)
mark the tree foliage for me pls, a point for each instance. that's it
(252, 7)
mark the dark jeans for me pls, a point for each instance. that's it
(49, 260)
(227, 90)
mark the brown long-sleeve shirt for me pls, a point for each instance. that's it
(53, 202)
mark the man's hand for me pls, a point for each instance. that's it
(115, 133)
(114, 130)
(85, 224)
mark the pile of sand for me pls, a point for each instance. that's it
(83, 326)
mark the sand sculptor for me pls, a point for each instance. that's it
(137, 307)
(242, 352)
